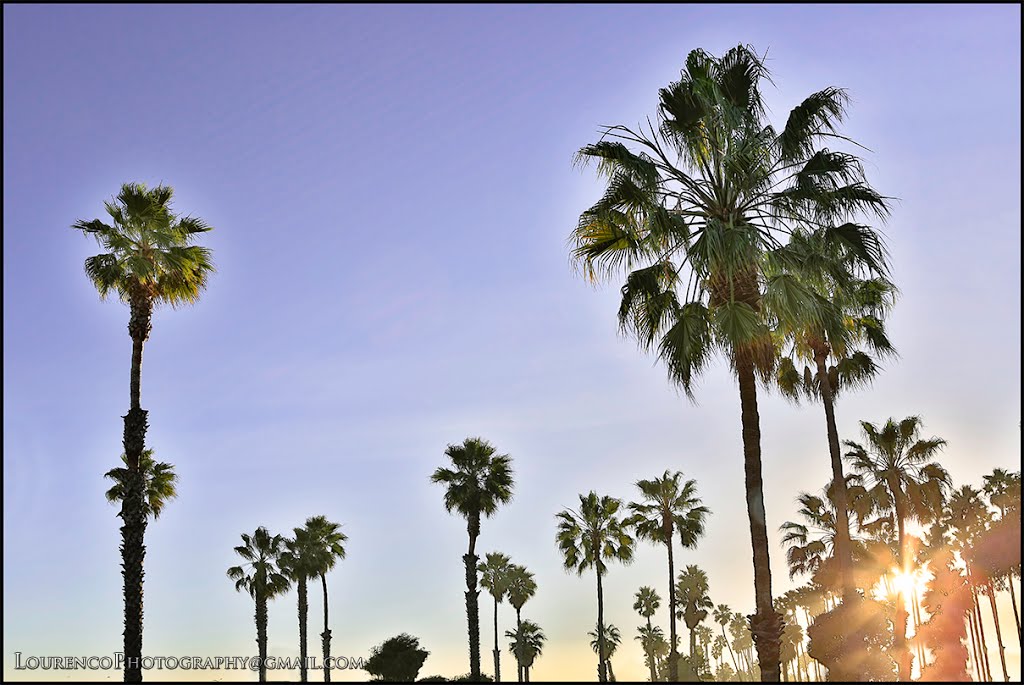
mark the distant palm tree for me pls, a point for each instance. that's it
(521, 587)
(669, 506)
(480, 481)
(611, 639)
(148, 259)
(723, 616)
(494, 579)
(262, 578)
(692, 212)
(161, 483)
(704, 637)
(1003, 490)
(328, 547)
(693, 602)
(646, 604)
(589, 538)
(718, 647)
(527, 644)
(899, 469)
(301, 560)
(650, 638)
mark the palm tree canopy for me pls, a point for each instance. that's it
(160, 478)
(520, 586)
(527, 642)
(723, 614)
(494, 574)
(1003, 490)
(896, 457)
(612, 640)
(692, 596)
(328, 541)
(694, 208)
(669, 506)
(148, 249)
(480, 480)
(647, 602)
(260, 575)
(594, 534)
(303, 555)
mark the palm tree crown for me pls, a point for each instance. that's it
(480, 481)
(161, 482)
(260, 574)
(647, 602)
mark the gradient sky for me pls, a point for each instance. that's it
(392, 192)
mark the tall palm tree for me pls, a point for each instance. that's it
(161, 483)
(527, 644)
(521, 588)
(260, 575)
(898, 466)
(301, 560)
(494, 579)
(723, 615)
(739, 627)
(692, 601)
(589, 538)
(669, 506)
(611, 639)
(704, 638)
(646, 604)
(1003, 490)
(480, 481)
(148, 258)
(329, 547)
(692, 211)
(841, 353)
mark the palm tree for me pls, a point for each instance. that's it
(589, 538)
(328, 544)
(262, 578)
(480, 481)
(611, 639)
(1003, 490)
(861, 305)
(704, 637)
(148, 259)
(739, 627)
(494, 579)
(733, 189)
(527, 644)
(161, 483)
(646, 604)
(669, 506)
(521, 587)
(303, 558)
(650, 637)
(693, 602)
(723, 615)
(899, 469)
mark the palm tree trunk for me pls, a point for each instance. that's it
(999, 632)
(673, 655)
(1013, 603)
(732, 654)
(326, 635)
(261, 633)
(904, 657)
(986, 668)
(979, 670)
(843, 546)
(611, 673)
(650, 652)
(472, 595)
(693, 648)
(766, 624)
(303, 612)
(133, 510)
(601, 676)
(520, 670)
(497, 652)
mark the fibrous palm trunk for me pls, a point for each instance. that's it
(732, 654)
(326, 635)
(261, 633)
(497, 651)
(520, 669)
(766, 624)
(650, 652)
(133, 510)
(842, 538)
(1013, 603)
(673, 656)
(472, 608)
(601, 675)
(999, 632)
(303, 612)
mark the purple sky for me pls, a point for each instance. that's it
(392, 190)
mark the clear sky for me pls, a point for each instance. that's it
(392, 192)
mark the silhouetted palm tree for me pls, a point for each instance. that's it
(494, 579)
(590, 537)
(695, 230)
(527, 644)
(148, 259)
(262, 578)
(161, 483)
(693, 603)
(480, 481)
(521, 587)
(611, 639)
(723, 615)
(899, 468)
(302, 559)
(646, 604)
(669, 506)
(329, 547)
(1003, 490)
